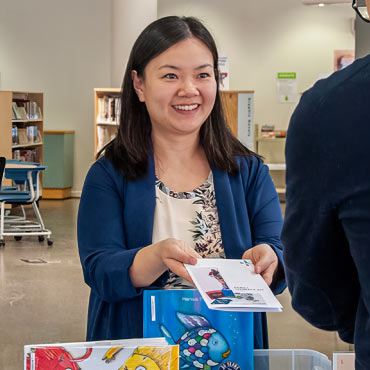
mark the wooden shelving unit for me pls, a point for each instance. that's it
(8, 122)
(237, 104)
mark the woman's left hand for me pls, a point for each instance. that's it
(264, 259)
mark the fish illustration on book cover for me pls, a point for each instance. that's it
(207, 339)
(201, 346)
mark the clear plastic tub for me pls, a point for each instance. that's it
(290, 359)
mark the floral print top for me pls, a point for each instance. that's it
(189, 216)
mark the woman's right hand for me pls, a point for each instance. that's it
(173, 253)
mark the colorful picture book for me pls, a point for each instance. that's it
(208, 340)
(232, 285)
(129, 354)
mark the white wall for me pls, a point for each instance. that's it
(63, 49)
(129, 18)
(265, 37)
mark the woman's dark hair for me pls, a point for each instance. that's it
(130, 150)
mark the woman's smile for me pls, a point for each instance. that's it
(186, 108)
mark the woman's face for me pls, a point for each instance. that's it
(178, 88)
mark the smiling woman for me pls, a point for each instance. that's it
(179, 88)
(174, 185)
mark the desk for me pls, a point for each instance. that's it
(15, 166)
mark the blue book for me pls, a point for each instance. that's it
(208, 339)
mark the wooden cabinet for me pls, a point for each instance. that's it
(58, 151)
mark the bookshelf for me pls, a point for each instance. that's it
(237, 104)
(22, 125)
(107, 110)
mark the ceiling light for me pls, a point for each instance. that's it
(325, 2)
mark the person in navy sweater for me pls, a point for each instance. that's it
(173, 186)
(326, 233)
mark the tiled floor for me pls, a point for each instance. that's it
(47, 302)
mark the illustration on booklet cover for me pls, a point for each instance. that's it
(100, 357)
(232, 285)
(55, 358)
(209, 340)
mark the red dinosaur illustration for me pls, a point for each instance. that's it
(56, 358)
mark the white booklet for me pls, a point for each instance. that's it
(232, 285)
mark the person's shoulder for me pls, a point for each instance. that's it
(103, 165)
(248, 160)
(103, 173)
(344, 81)
(249, 165)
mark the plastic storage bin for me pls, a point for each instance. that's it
(290, 359)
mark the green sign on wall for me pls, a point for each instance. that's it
(287, 75)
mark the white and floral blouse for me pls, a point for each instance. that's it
(191, 217)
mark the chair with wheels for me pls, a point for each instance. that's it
(26, 191)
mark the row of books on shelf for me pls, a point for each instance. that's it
(25, 110)
(109, 109)
(27, 155)
(25, 135)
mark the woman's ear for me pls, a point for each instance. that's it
(138, 85)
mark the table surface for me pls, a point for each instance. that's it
(13, 166)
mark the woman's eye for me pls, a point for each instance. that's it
(204, 75)
(140, 367)
(170, 76)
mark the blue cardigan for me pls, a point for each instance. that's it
(115, 220)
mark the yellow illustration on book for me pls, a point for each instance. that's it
(147, 358)
(111, 354)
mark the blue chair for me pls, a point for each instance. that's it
(26, 191)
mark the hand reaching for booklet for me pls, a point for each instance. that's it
(174, 253)
(264, 259)
(152, 261)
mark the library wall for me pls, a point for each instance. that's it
(262, 38)
(63, 50)
(129, 18)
